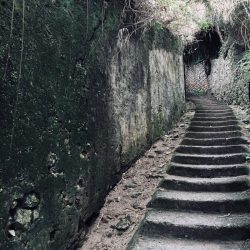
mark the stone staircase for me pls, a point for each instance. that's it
(204, 201)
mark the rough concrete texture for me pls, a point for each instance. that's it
(147, 91)
(166, 90)
(62, 140)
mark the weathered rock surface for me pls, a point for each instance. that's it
(78, 103)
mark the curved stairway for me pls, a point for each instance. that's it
(204, 201)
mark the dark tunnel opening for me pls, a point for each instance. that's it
(198, 56)
(206, 46)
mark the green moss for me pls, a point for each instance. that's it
(158, 125)
(135, 150)
(205, 25)
(162, 38)
(244, 65)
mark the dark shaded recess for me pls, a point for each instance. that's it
(205, 48)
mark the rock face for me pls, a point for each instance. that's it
(78, 103)
(226, 81)
(228, 77)
(147, 90)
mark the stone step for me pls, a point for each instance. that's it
(211, 115)
(217, 114)
(212, 105)
(213, 128)
(232, 149)
(163, 243)
(223, 184)
(200, 135)
(215, 141)
(231, 227)
(209, 202)
(209, 159)
(208, 171)
(213, 111)
(214, 123)
(212, 119)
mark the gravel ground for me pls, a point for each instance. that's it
(125, 206)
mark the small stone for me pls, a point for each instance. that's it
(137, 205)
(131, 184)
(154, 176)
(109, 217)
(159, 152)
(104, 219)
(150, 156)
(123, 224)
(109, 234)
(135, 195)
(117, 199)
(12, 232)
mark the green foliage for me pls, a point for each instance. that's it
(205, 25)
(196, 92)
(244, 64)
(158, 26)
(166, 2)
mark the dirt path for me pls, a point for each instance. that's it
(125, 206)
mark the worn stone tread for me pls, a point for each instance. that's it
(201, 135)
(214, 123)
(160, 243)
(214, 119)
(209, 159)
(197, 225)
(215, 141)
(189, 149)
(208, 171)
(212, 202)
(223, 184)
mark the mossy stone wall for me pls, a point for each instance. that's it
(60, 147)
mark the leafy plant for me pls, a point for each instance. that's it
(244, 64)
(158, 26)
(205, 25)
